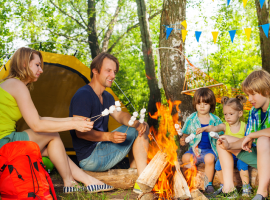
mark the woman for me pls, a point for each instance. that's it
(15, 102)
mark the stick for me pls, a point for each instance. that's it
(209, 86)
(95, 116)
(98, 118)
(127, 129)
(155, 141)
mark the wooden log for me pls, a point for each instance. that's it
(201, 179)
(146, 196)
(180, 187)
(197, 195)
(151, 173)
(118, 178)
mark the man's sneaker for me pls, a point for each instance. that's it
(247, 191)
(209, 189)
(259, 197)
(137, 189)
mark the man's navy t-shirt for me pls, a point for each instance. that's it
(86, 103)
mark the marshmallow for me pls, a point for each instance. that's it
(118, 109)
(214, 135)
(179, 132)
(142, 115)
(117, 103)
(141, 120)
(105, 112)
(143, 111)
(133, 118)
(130, 122)
(135, 114)
(111, 109)
(190, 138)
(176, 126)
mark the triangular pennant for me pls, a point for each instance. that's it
(215, 34)
(245, 3)
(265, 28)
(184, 33)
(228, 2)
(232, 34)
(248, 32)
(168, 32)
(262, 2)
(184, 23)
(198, 35)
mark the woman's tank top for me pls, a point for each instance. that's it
(9, 113)
(241, 132)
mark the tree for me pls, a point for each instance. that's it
(171, 60)
(148, 60)
(263, 18)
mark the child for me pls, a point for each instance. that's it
(257, 87)
(203, 147)
(233, 111)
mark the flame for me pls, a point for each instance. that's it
(190, 173)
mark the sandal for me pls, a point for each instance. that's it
(98, 188)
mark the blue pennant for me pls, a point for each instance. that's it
(168, 32)
(232, 34)
(228, 2)
(265, 28)
(262, 2)
(198, 35)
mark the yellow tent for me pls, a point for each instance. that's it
(63, 75)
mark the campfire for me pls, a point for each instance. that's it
(163, 175)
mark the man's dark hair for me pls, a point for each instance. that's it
(98, 60)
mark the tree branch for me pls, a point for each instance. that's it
(79, 13)
(129, 29)
(70, 16)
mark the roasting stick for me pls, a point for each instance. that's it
(155, 141)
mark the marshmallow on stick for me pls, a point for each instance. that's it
(190, 138)
(178, 129)
(118, 106)
(105, 112)
(214, 135)
(142, 115)
(112, 109)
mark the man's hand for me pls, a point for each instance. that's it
(247, 143)
(141, 128)
(117, 137)
(223, 143)
(199, 130)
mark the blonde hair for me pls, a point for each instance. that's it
(257, 81)
(19, 65)
(236, 103)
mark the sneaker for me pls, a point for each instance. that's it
(259, 197)
(98, 188)
(214, 194)
(209, 189)
(231, 195)
(246, 191)
(137, 189)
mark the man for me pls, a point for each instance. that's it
(98, 149)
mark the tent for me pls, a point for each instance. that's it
(63, 75)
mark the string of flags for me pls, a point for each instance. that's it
(198, 34)
(245, 2)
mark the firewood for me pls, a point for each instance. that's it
(151, 173)
(118, 178)
(146, 196)
(197, 195)
(180, 186)
(201, 179)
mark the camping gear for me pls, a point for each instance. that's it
(48, 164)
(22, 174)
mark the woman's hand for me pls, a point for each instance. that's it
(83, 126)
(247, 144)
(80, 118)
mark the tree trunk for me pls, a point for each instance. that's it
(263, 18)
(149, 61)
(171, 61)
(92, 29)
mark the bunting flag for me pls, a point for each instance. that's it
(262, 2)
(215, 34)
(245, 3)
(232, 34)
(184, 34)
(265, 28)
(184, 23)
(198, 35)
(168, 32)
(228, 2)
(248, 32)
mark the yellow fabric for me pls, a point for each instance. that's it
(241, 132)
(9, 113)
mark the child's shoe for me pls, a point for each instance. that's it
(259, 197)
(209, 189)
(246, 191)
(137, 189)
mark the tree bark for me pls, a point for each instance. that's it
(263, 18)
(149, 61)
(92, 29)
(171, 61)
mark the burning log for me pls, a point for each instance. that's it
(118, 178)
(151, 173)
(180, 186)
(197, 195)
(201, 179)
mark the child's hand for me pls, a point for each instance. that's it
(182, 140)
(199, 130)
(247, 143)
(223, 143)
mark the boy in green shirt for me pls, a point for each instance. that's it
(254, 148)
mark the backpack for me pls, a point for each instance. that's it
(22, 173)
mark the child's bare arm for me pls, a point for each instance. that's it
(218, 128)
